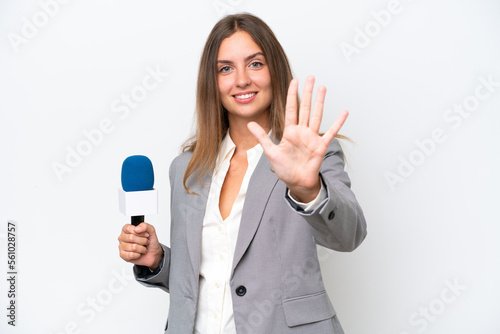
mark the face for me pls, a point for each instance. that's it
(244, 80)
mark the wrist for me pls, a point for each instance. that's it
(305, 194)
(157, 261)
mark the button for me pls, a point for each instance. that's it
(217, 285)
(331, 215)
(219, 228)
(221, 257)
(241, 291)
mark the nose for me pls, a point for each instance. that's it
(242, 78)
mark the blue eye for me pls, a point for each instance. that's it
(256, 64)
(225, 69)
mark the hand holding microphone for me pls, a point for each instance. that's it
(138, 242)
(139, 245)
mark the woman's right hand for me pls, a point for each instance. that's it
(139, 245)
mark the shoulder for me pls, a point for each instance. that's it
(334, 151)
(179, 164)
(181, 160)
(334, 163)
(334, 147)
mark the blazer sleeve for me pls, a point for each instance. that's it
(337, 222)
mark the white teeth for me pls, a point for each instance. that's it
(246, 96)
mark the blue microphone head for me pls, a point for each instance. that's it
(137, 174)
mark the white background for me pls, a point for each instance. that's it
(434, 228)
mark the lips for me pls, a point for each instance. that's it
(245, 97)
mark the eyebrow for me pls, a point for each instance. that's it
(222, 61)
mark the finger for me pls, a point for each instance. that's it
(317, 114)
(133, 248)
(129, 233)
(130, 229)
(133, 239)
(334, 129)
(291, 103)
(146, 230)
(305, 104)
(129, 256)
(261, 135)
(143, 227)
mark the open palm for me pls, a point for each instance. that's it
(297, 159)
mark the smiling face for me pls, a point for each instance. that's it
(243, 79)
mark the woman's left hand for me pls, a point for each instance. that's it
(296, 160)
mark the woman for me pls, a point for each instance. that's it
(253, 193)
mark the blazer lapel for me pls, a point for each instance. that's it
(195, 212)
(260, 187)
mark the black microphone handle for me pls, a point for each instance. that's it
(136, 220)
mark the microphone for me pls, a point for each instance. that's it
(137, 196)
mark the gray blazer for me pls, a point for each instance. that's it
(275, 280)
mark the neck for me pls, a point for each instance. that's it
(242, 137)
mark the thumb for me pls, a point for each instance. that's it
(147, 230)
(261, 135)
(334, 129)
